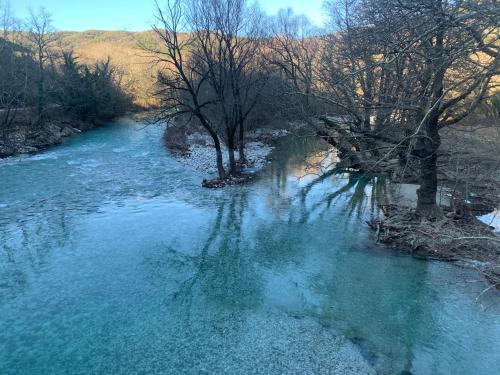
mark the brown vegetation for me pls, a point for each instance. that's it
(122, 47)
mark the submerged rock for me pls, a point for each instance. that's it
(230, 180)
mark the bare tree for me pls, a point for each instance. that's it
(295, 48)
(404, 70)
(182, 81)
(41, 37)
(7, 20)
(12, 78)
(229, 38)
(14, 66)
(212, 73)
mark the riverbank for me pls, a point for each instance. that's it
(25, 138)
(464, 240)
(469, 187)
(201, 155)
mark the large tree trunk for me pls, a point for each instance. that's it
(232, 162)
(41, 92)
(427, 192)
(231, 133)
(426, 148)
(241, 143)
(429, 140)
(218, 151)
(220, 163)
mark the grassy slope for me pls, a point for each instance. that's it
(123, 48)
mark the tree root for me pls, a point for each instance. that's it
(449, 238)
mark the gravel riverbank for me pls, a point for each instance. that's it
(23, 139)
(201, 155)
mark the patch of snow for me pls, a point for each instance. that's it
(492, 219)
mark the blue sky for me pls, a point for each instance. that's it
(131, 15)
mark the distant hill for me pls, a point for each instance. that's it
(122, 47)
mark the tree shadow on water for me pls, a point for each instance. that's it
(223, 282)
(357, 193)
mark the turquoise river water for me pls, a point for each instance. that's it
(114, 260)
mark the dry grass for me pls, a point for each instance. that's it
(139, 70)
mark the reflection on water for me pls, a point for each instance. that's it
(114, 260)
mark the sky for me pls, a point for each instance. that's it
(131, 15)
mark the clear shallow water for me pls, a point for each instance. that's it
(113, 260)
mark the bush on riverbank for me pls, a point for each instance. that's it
(76, 97)
(45, 93)
(90, 93)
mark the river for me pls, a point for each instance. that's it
(114, 260)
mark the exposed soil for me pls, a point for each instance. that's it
(23, 139)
